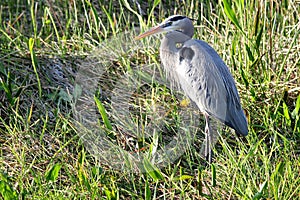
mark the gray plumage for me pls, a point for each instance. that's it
(203, 76)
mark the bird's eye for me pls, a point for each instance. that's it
(178, 45)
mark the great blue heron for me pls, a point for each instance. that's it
(200, 72)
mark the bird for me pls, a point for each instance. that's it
(202, 75)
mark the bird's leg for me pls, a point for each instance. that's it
(208, 139)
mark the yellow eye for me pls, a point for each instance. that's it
(178, 45)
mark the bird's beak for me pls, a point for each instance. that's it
(154, 30)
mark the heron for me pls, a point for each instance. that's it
(202, 75)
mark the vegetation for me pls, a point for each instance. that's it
(81, 100)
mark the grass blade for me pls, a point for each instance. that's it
(286, 113)
(295, 112)
(103, 113)
(213, 175)
(152, 170)
(147, 191)
(34, 64)
(231, 15)
(52, 174)
(111, 21)
(250, 55)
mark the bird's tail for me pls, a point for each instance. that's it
(237, 120)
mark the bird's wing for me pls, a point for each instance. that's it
(205, 78)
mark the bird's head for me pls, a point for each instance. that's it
(172, 23)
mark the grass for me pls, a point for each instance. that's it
(76, 61)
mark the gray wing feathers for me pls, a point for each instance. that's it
(208, 82)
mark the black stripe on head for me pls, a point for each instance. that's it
(176, 18)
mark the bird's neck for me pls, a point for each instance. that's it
(188, 28)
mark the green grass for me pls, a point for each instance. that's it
(47, 47)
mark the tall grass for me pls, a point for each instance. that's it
(44, 45)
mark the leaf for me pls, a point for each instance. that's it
(286, 113)
(295, 112)
(231, 15)
(258, 39)
(250, 55)
(147, 191)
(152, 170)
(183, 177)
(110, 19)
(95, 12)
(127, 5)
(4, 86)
(155, 3)
(52, 174)
(6, 191)
(103, 113)
(97, 171)
(213, 175)
(259, 194)
(34, 64)
(244, 77)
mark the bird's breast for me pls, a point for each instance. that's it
(190, 82)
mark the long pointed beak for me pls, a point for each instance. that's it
(154, 30)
